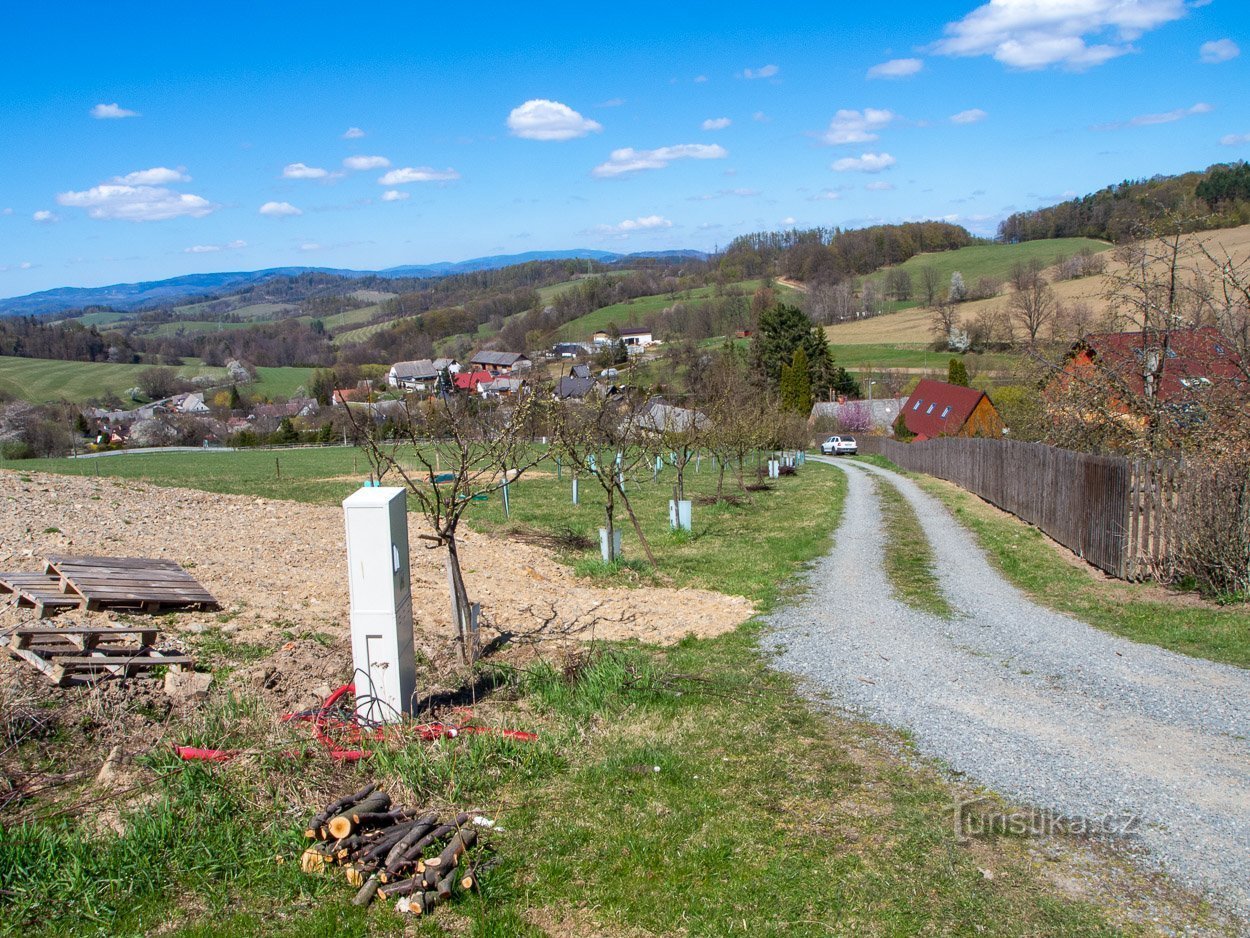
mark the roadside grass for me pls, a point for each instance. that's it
(908, 560)
(684, 790)
(1139, 611)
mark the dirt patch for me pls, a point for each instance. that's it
(277, 567)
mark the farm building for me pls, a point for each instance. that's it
(658, 416)
(635, 338)
(936, 409)
(498, 363)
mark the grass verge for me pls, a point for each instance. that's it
(1139, 611)
(908, 557)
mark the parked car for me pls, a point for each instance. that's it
(840, 445)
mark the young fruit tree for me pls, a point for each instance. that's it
(450, 452)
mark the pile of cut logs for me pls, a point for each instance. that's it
(393, 852)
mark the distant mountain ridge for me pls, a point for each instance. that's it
(134, 296)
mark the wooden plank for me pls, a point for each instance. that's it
(138, 661)
(145, 563)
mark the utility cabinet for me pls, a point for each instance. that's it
(381, 603)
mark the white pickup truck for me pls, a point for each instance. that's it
(840, 445)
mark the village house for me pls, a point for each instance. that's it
(1177, 368)
(937, 409)
(635, 338)
(420, 375)
(658, 416)
(500, 363)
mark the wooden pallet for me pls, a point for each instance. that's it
(88, 653)
(137, 583)
(39, 591)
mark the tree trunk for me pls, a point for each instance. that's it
(642, 538)
(461, 611)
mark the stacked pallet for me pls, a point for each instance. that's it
(393, 852)
(137, 584)
(88, 653)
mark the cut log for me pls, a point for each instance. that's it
(312, 861)
(450, 857)
(318, 821)
(367, 891)
(446, 885)
(343, 823)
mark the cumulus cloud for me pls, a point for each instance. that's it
(104, 112)
(366, 162)
(850, 126)
(279, 209)
(1032, 34)
(310, 246)
(880, 186)
(865, 163)
(1165, 117)
(156, 176)
(1235, 140)
(970, 116)
(394, 195)
(825, 195)
(766, 71)
(645, 223)
(214, 248)
(353, 133)
(118, 201)
(407, 174)
(760, 117)
(716, 123)
(1219, 50)
(301, 171)
(896, 68)
(629, 160)
(24, 265)
(43, 216)
(541, 119)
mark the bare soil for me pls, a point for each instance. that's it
(278, 570)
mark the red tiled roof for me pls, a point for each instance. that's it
(936, 408)
(468, 380)
(1192, 356)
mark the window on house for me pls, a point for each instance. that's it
(945, 411)
(929, 409)
(916, 406)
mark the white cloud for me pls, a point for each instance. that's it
(629, 160)
(880, 186)
(760, 117)
(156, 176)
(645, 223)
(896, 68)
(1235, 140)
(611, 102)
(1032, 34)
(45, 217)
(741, 193)
(279, 209)
(310, 246)
(824, 195)
(1219, 50)
(102, 112)
(716, 123)
(766, 71)
(121, 202)
(6, 211)
(1165, 117)
(700, 79)
(789, 220)
(407, 174)
(394, 195)
(300, 171)
(214, 248)
(856, 127)
(366, 162)
(970, 116)
(353, 133)
(24, 265)
(540, 119)
(866, 163)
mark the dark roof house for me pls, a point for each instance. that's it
(500, 361)
(1173, 367)
(936, 409)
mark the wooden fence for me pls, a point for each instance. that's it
(1118, 514)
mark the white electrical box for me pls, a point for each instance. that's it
(381, 603)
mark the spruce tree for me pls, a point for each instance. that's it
(957, 373)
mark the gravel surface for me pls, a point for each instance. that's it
(1031, 703)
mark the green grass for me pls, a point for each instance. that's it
(43, 380)
(1141, 612)
(279, 382)
(909, 356)
(990, 260)
(908, 560)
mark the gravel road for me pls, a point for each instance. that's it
(1031, 703)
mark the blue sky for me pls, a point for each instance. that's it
(141, 142)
